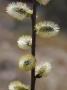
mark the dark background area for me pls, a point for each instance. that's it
(53, 49)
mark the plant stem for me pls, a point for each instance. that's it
(33, 43)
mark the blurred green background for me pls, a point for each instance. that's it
(53, 49)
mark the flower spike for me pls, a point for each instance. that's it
(27, 62)
(25, 42)
(47, 29)
(19, 10)
(17, 85)
(43, 70)
(43, 2)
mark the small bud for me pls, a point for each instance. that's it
(17, 85)
(44, 2)
(43, 70)
(25, 42)
(19, 10)
(27, 62)
(47, 29)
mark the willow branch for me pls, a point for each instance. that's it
(33, 43)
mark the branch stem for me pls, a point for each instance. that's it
(33, 44)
